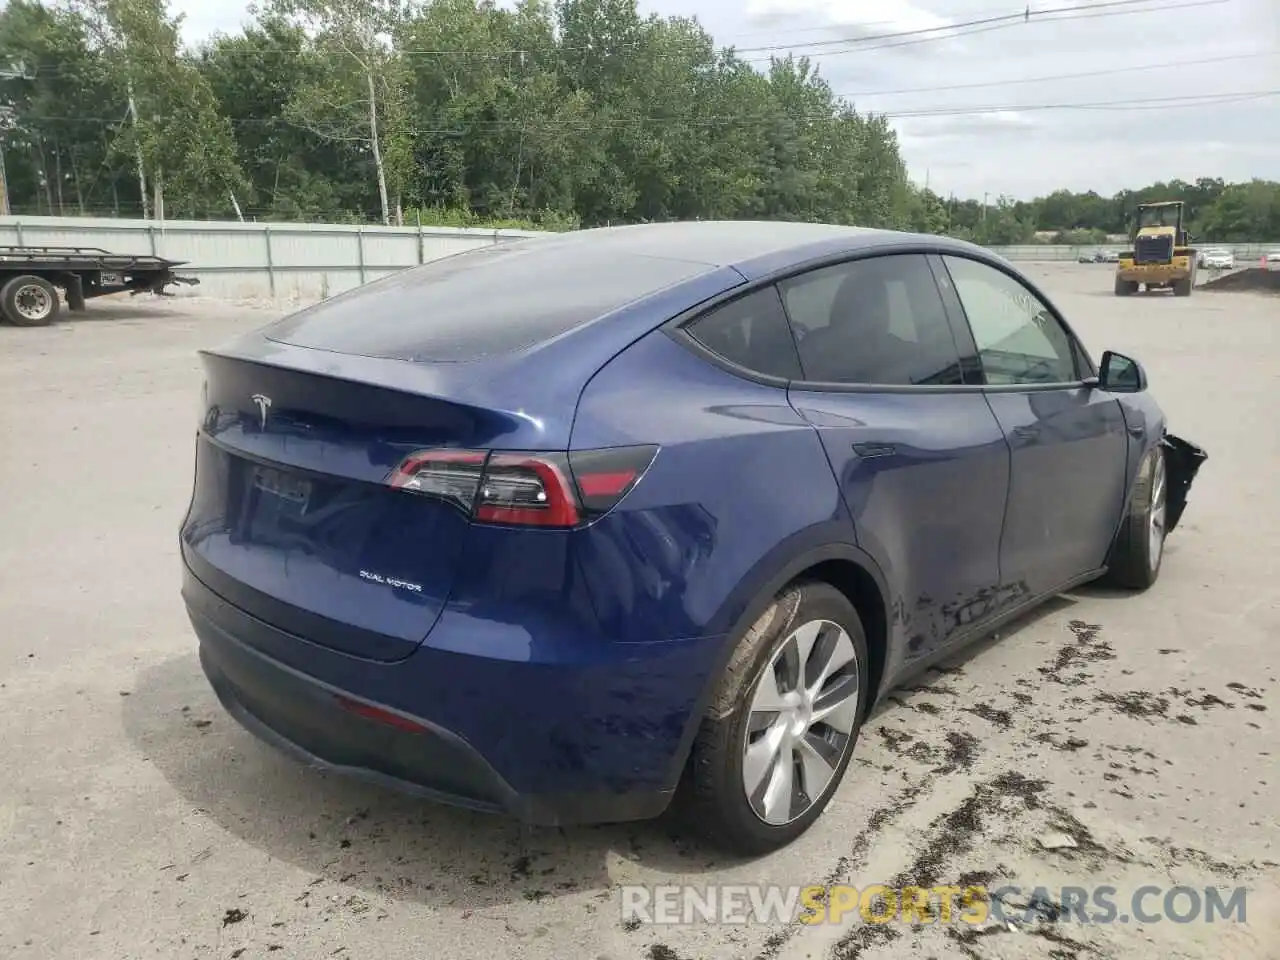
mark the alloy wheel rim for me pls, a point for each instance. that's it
(32, 302)
(1156, 520)
(802, 714)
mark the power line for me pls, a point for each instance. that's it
(1161, 103)
(992, 27)
(1082, 75)
(1022, 16)
(855, 44)
(832, 27)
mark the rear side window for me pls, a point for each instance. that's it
(489, 301)
(751, 332)
(879, 320)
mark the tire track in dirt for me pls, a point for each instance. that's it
(1004, 811)
(949, 760)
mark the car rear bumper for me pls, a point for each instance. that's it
(503, 760)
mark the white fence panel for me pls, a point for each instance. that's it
(297, 261)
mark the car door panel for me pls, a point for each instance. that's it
(924, 478)
(1068, 441)
(920, 458)
(1067, 487)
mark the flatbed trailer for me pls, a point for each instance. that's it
(30, 278)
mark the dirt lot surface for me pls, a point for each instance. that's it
(139, 820)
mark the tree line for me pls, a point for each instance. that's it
(548, 115)
(1215, 211)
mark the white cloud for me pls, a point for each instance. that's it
(998, 137)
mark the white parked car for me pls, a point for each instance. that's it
(1273, 260)
(1218, 259)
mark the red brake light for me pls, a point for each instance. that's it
(605, 476)
(526, 489)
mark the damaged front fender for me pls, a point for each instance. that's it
(1183, 461)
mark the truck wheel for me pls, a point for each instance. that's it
(1125, 288)
(782, 723)
(1183, 288)
(29, 301)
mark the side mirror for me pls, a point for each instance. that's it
(1120, 374)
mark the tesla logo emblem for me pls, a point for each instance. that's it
(264, 404)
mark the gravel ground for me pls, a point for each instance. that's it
(140, 821)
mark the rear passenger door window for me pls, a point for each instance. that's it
(878, 320)
(750, 332)
(1019, 339)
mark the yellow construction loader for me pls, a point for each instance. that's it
(1161, 256)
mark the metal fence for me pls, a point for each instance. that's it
(299, 261)
(303, 261)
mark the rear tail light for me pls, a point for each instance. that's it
(525, 489)
(450, 475)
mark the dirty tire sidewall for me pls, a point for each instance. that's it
(1133, 565)
(720, 807)
(9, 301)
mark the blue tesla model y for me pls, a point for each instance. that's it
(557, 526)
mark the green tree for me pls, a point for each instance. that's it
(361, 98)
(1243, 212)
(294, 173)
(926, 212)
(175, 134)
(49, 80)
(553, 112)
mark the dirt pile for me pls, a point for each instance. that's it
(1254, 278)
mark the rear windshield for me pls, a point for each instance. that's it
(493, 300)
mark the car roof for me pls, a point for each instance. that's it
(510, 297)
(745, 243)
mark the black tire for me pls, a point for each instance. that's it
(1183, 288)
(29, 301)
(719, 804)
(1125, 288)
(1134, 563)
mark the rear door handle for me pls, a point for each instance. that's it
(1137, 430)
(1026, 433)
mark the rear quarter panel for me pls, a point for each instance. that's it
(740, 486)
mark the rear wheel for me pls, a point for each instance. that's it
(29, 301)
(1125, 288)
(783, 722)
(1139, 547)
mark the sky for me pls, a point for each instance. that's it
(992, 82)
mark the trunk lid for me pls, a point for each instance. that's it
(292, 519)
